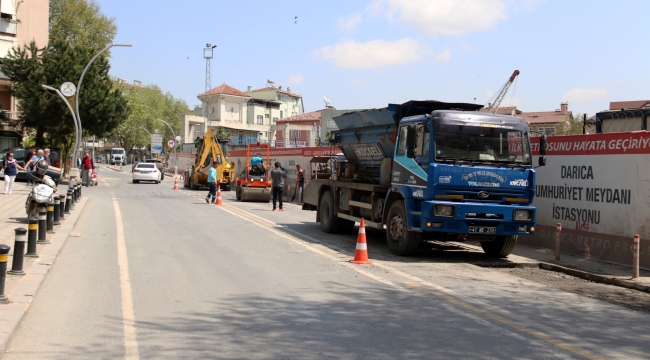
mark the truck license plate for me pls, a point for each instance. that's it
(482, 230)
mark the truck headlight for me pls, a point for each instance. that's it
(444, 210)
(522, 215)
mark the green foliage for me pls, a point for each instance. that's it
(148, 104)
(573, 126)
(102, 107)
(81, 23)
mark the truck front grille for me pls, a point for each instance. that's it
(495, 195)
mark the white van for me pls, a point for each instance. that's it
(118, 155)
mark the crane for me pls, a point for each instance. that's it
(494, 106)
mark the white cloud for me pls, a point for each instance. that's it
(444, 17)
(445, 55)
(296, 79)
(363, 83)
(586, 95)
(350, 54)
(350, 22)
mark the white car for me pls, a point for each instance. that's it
(146, 172)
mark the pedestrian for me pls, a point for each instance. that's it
(40, 155)
(300, 181)
(11, 168)
(277, 176)
(212, 177)
(87, 171)
(32, 153)
(46, 156)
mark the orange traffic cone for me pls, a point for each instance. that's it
(361, 254)
(218, 203)
(175, 183)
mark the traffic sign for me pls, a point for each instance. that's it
(170, 143)
(68, 89)
(156, 149)
(162, 153)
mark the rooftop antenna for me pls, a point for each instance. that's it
(327, 101)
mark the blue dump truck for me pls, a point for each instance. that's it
(429, 170)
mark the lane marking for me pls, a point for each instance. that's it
(415, 282)
(128, 316)
(507, 322)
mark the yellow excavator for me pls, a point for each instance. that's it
(210, 152)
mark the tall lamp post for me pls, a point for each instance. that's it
(77, 128)
(81, 78)
(177, 139)
(208, 52)
(149, 140)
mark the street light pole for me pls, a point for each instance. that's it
(81, 78)
(175, 146)
(74, 120)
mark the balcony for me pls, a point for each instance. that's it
(8, 26)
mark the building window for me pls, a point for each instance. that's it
(275, 121)
(281, 115)
(260, 119)
(266, 116)
(331, 124)
(546, 130)
(294, 134)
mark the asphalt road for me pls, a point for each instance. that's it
(155, 273)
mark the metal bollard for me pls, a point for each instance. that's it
(62, 207)
(4, 256)
(558, 236)
(81, 187)
(74, 195)
(19, 252)
(68, 201)
(49, 220)
(31, 237)
(635, 256)
(42, 226)
(57, 211)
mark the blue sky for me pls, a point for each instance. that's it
(368, 53)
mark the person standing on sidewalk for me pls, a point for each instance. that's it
(32, 153)
(300, 182)
(46, 156)
(11, 168)
(32, 163)
(277, 176)
(212, 177)
(88, 167)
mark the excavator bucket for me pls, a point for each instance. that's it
(255, 194)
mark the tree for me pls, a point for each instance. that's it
(81, 23)
(148, 104)
(102, 107)
(573, 126)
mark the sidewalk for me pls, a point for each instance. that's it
(21, 289)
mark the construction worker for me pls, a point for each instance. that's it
(277, 176)
(212, 177)
(300, 181)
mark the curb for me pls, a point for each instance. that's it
(21, 296)
(596, 278)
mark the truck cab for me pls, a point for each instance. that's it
(466, 175)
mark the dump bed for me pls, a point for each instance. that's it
(367, 137)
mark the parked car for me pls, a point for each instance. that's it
(20, 154)
(146, 172)
(159, 165)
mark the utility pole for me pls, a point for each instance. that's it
(208, 54)
(584, 124)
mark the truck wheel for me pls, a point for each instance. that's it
(238, 192)
(329, 222)
(193, 186)
(501, 246)
(401, 242)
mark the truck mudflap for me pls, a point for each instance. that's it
(476, 219)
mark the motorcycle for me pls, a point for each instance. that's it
(41, 194)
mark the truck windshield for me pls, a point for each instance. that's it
(117, 151)
(481, 144)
